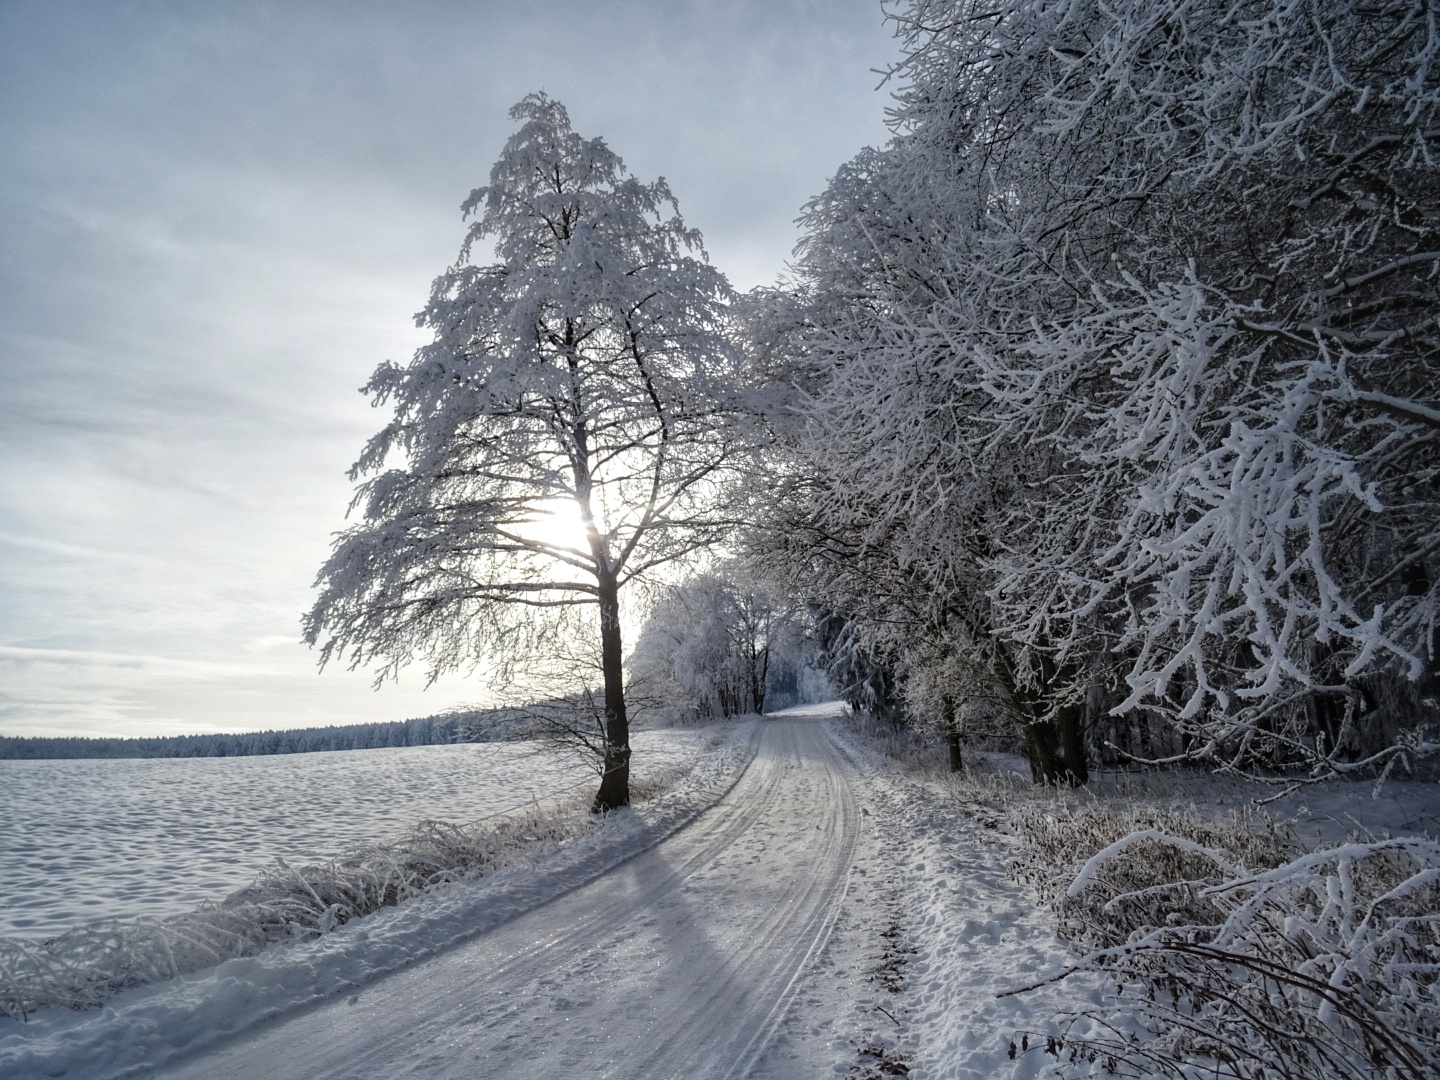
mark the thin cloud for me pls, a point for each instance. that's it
(65, 549)
(152, 665)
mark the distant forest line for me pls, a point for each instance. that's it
(456, 727)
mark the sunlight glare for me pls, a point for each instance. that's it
(559, 526)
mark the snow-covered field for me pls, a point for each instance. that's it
(120, 839)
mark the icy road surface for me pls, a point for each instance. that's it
(680, 962)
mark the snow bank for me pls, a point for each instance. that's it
(975, 933)
(1150, 870)
(90, 964)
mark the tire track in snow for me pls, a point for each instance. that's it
(680, 962)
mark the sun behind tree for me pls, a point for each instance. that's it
(590, 364)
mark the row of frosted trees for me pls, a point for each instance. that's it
(1100, 408)
(1114, 380)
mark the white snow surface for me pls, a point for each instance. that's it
(132, 838)
(975, 934)
(744, 924)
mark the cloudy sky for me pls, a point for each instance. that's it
(217, 218)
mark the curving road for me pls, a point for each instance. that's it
(680, 962)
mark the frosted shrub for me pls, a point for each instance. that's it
(1156, 867)
(1323, 966)
(85, 966)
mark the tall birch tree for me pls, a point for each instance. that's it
(590, 367)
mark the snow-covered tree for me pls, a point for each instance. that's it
(1123, 354)
(716, 639)
(890, 492)
(1223, 216)
(589, 366)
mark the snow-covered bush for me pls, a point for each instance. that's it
(1326, 965)
(1154, 864)
(860, 667)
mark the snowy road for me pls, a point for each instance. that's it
(680, 962)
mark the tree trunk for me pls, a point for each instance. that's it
(952, 738)
(1043, 769)
(1417, 583)
(615, 782)
(1072, 744)
(759, 672)
(1056, 751)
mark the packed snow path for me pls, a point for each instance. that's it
(680, 962)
